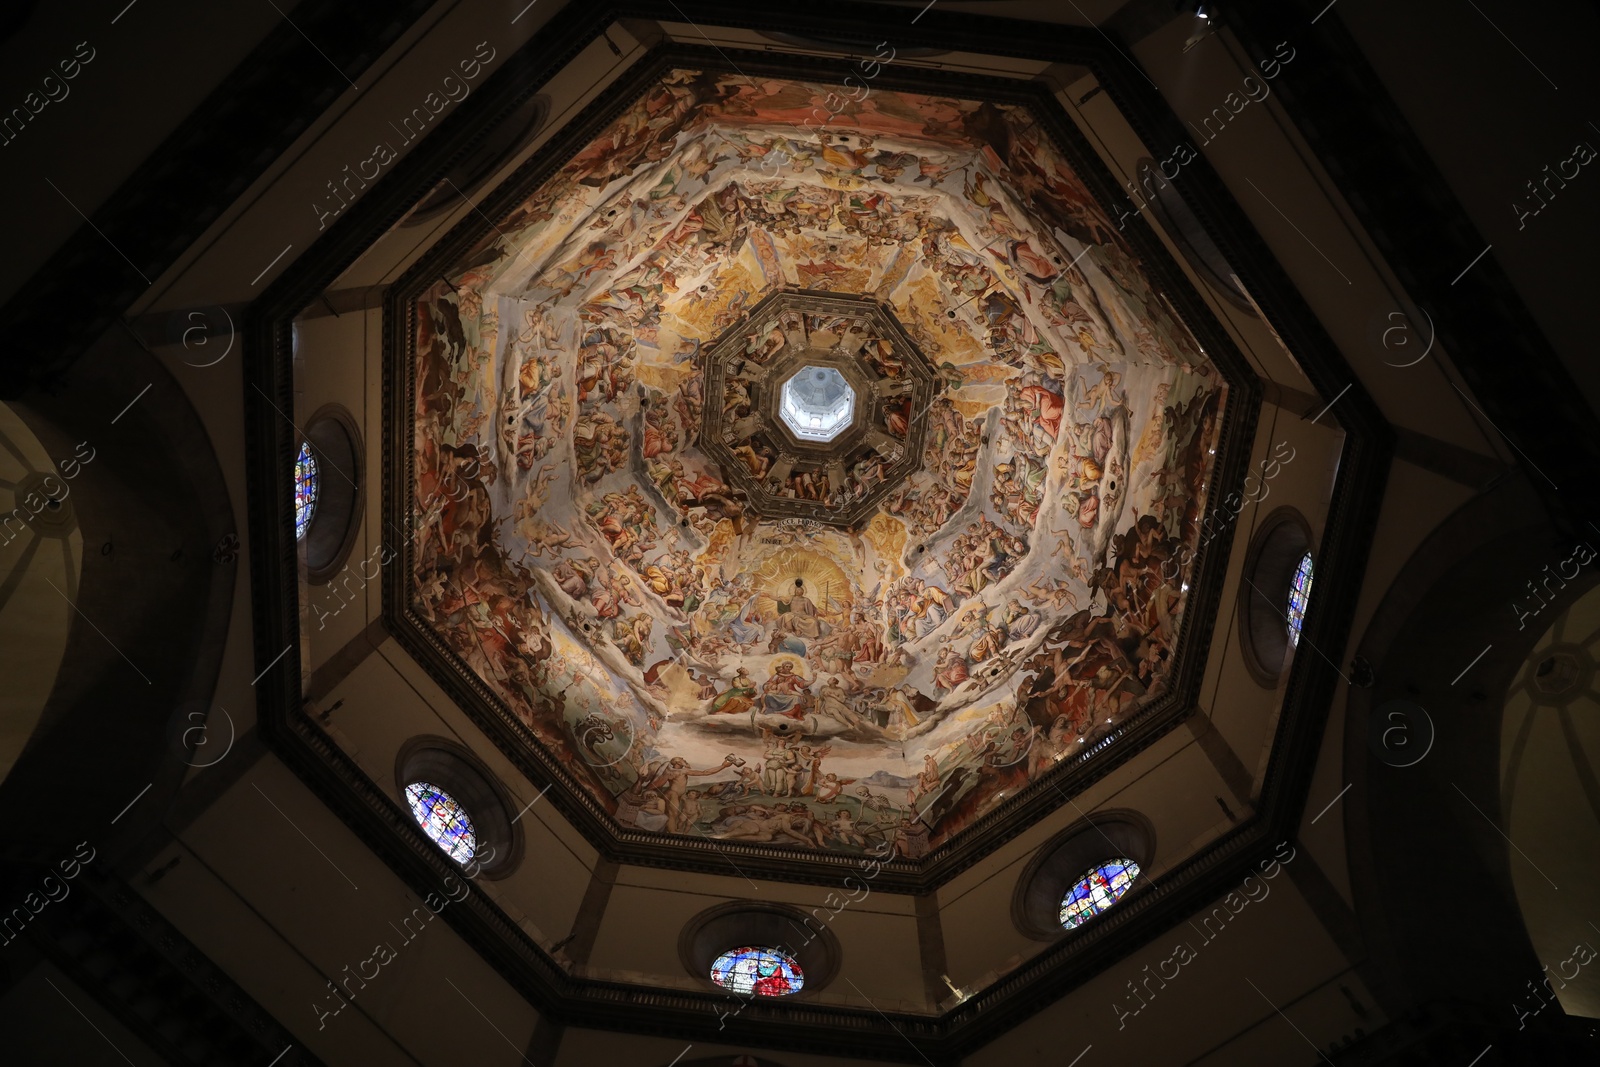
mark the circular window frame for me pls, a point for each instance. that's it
(335, 522)
(753, 924)
(1276, 548)
(456, 771)
(1100, 838)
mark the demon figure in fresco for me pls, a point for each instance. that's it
(960, 560)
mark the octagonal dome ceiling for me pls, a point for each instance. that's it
(699, 661)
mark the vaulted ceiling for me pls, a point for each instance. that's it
(698, 654)
(715, 645)
(601, 526)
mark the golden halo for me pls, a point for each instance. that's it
(825, 582)
(787, 657)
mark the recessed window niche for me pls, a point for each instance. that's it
(725, 936)
(1268, 628)
(327, 529)
(459, 804)
(1105, 842)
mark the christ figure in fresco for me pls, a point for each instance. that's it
(797, 614)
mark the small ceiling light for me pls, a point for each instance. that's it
(1203, 26)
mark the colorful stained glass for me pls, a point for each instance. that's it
(305, 489)
(761, 972)
(1299, 594)
(1100, 887)
(444, 820)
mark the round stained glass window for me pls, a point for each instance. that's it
(1299, 594)
(761, 972)
(1100, 887)
(305, 489)
(444, 820)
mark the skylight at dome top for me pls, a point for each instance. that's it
(818, 403)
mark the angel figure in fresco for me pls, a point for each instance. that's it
(749, 782)
(969, 623)
(574, 575)
(843, 827)
(540, 491)
(1036, 411)
(600, 442)
(763, 346)
(897, 417)
(830, 786)
(1105, 394)
(736, 402)
(745, 627)
(811, 758)
(566, 276)
(752, 459)
(901, 703)
(1019, 622)
(949, 670)
(780, 764)
(690, 400)
(990, 641)
(867, 639)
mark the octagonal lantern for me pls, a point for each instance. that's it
(817, 403)
(824, 401)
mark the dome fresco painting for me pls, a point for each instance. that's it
(720, 628)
